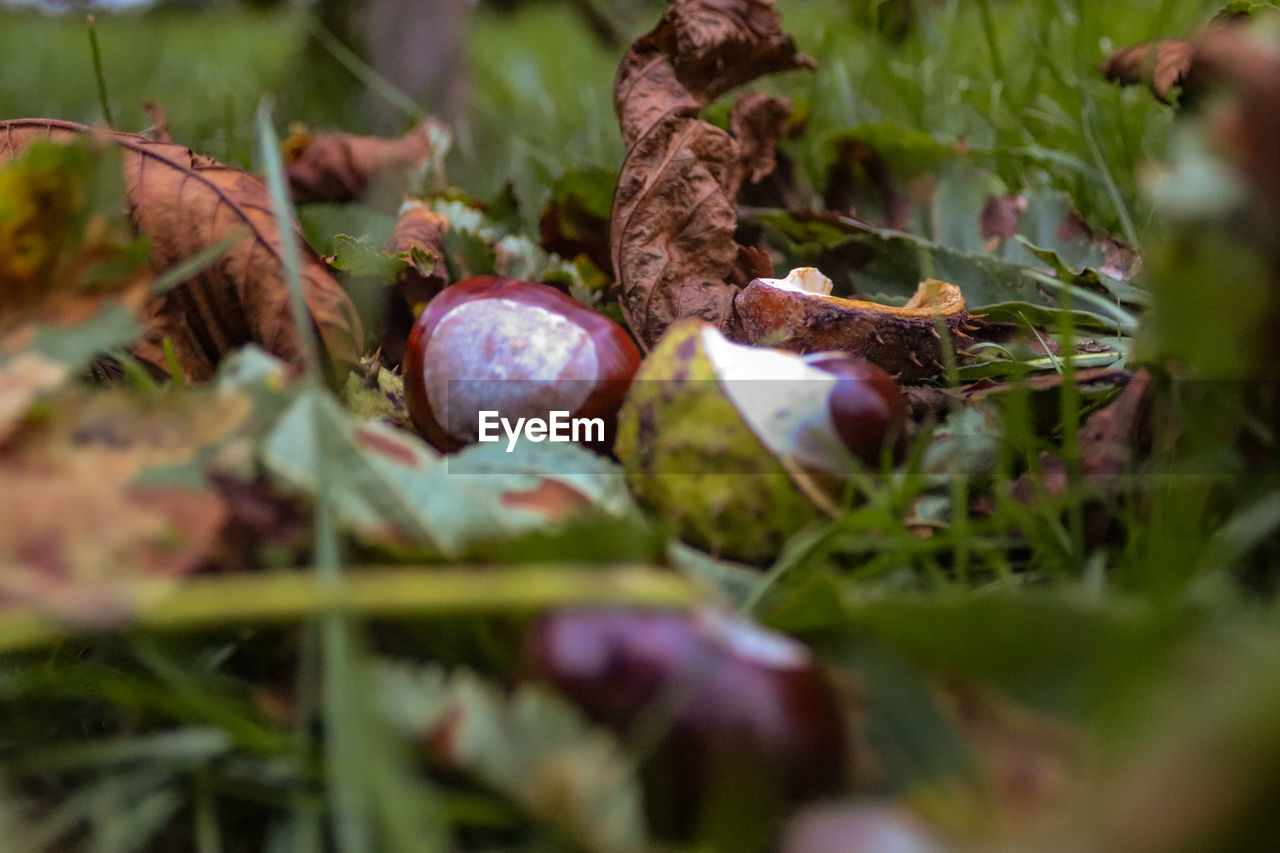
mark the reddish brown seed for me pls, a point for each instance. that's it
(514, 347)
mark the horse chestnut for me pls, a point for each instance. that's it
(792, 402)
(521, 349)
(742, 721)
(866, 406)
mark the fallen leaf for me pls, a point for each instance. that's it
(673, 218)
(73, 275)
(419, 236)
(1000, 219)
(74, 531)
(527, 744)
(22, 380)
(159, 129)
(185, 203)
(1107, 444)
(1162, 65)
(339, 167)
(1165, 64)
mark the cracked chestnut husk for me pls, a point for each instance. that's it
(714, 436)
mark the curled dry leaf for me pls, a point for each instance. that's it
(159, 130)
(185, 203)
(673, 219)
(340, 167)
(1161, 64)
(419, 236)
(1164, 64)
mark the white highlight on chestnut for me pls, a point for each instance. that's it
(558, 427)
(782, 399)
(807, 280)
(754, 644)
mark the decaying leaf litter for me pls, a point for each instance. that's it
(179, 474)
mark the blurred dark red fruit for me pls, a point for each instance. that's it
(858, 828)
(742, 722)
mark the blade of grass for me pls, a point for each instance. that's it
(91, 25)
(350, 794)
(205, 805)
(348, 780)
(379, 85)
(203, 602)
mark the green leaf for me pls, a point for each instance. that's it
(358, 257)
(390, 487)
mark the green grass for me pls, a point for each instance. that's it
(542, 87)
(207, 69)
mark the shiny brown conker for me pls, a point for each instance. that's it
(518, 348)
(866, 406)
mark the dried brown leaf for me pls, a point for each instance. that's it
(1164, 64)
(70, 535)
(419, 232)
(22, 380)
(159, 130)
(420, 229)
(340, 167)
(79, 518)
(1161, 64)
(757, 123)
(699, 50)
(1000, 219)
(184, 203)
(673, 219)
